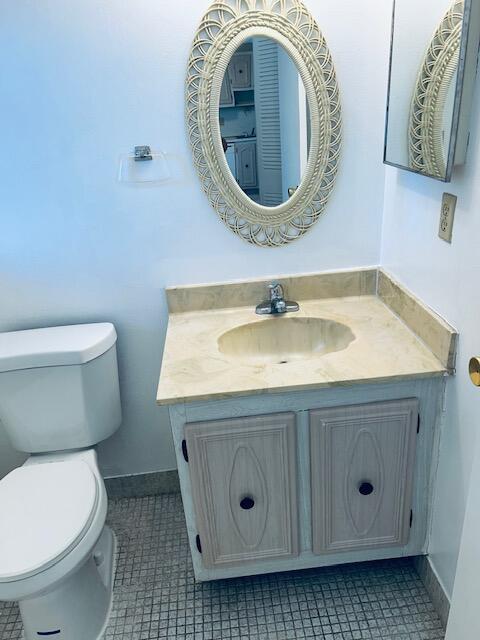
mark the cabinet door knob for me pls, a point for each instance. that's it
(365, 488)
(247, 503)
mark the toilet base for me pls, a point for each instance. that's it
(79, 606)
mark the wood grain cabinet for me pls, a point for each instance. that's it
(362, 469)
(244, 488)
(305, 479)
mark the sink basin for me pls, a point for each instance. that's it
(283, 339)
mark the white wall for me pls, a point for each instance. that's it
(446, 277)
(82, 81)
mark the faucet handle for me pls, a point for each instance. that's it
(276, 290)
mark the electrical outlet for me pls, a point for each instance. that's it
(447, 215)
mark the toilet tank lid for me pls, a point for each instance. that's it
(55, 346)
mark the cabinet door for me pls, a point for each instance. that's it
(243, 476)
(246, 164)
(241, 71)
(362, 465)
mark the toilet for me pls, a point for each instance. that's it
(59, 396)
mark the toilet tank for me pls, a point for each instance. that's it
(59, 387)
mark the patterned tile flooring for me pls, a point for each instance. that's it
(156, 596)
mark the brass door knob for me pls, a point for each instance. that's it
(474, 371)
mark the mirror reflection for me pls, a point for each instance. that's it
(422, 94)
(264, 121)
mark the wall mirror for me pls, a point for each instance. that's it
(432, 72)
(264, 118)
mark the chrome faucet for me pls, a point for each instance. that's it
(277, 304)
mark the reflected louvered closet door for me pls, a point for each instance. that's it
(243, 476)
(267, 113)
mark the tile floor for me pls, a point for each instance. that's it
(156, 596)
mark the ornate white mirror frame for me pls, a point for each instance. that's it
(426, 141)
(226, 25)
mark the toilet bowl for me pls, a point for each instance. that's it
(56, 554)
(59, 396)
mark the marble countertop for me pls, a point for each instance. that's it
(384, 349)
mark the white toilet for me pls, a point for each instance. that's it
(59, 396)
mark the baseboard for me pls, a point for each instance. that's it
(433, 586)
(143, 484)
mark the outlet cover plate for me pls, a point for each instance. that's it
(447, 216)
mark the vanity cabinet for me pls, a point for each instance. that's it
(302, 479)
(362, 468)
(244, 488)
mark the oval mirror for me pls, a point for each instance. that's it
(264, 121)
(264, 117)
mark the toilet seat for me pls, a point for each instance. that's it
(45, 511)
